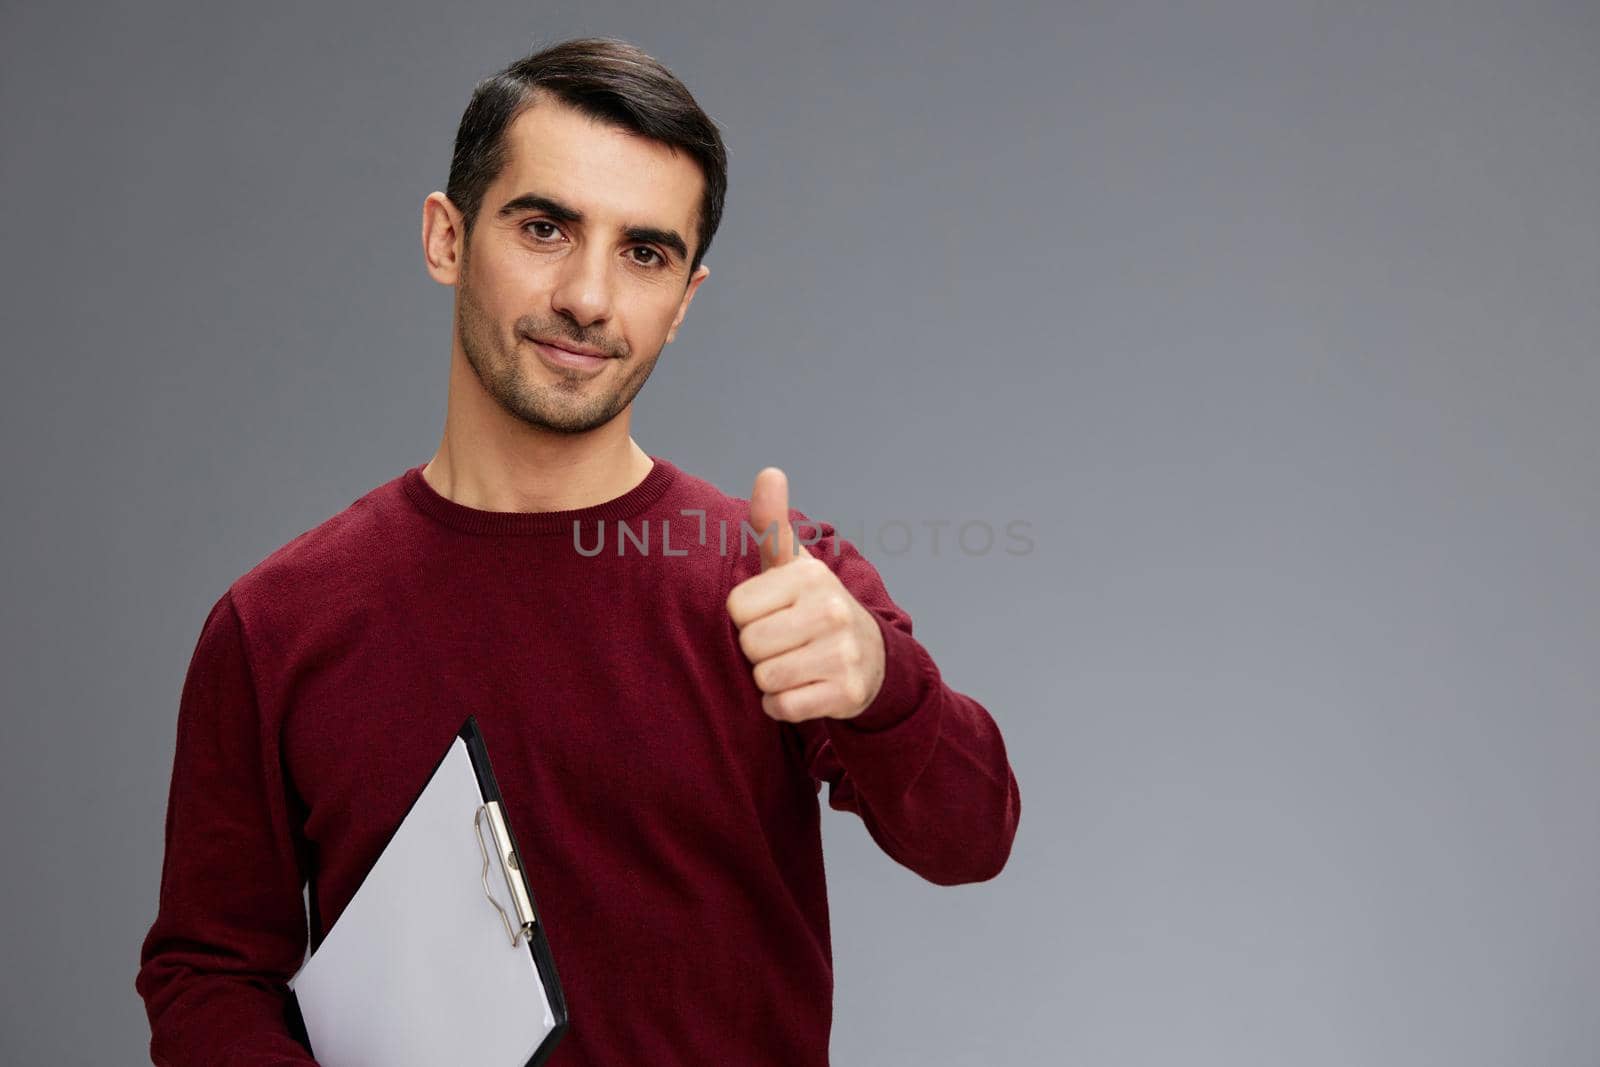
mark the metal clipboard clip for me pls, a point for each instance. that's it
(510, 866)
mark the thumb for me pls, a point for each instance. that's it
(769, 517)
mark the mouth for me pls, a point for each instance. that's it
(575, 358)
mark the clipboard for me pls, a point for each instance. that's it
(440, 956)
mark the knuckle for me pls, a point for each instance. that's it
(763, 675)
(837, 609)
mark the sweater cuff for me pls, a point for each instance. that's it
(906, 676)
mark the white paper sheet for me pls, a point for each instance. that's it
(418, 971)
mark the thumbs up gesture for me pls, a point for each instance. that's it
(817, 653)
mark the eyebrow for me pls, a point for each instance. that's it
(549, 205)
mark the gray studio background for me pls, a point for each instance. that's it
(1276, 321)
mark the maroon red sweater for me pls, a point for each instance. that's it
(673, 826)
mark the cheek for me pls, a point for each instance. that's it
(507, 309)
(661, 315)
(510, 287)
(643, 322)
(491, 324)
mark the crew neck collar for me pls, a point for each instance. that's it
(475, 520)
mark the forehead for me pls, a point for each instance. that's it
(615, 177)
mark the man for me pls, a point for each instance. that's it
(661, 713)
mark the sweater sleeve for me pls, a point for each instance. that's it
(923, 765)
(230, 927)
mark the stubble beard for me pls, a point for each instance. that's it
(571, 406)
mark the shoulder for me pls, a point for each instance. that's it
(693, 496)
(335, 563)
(727, 521)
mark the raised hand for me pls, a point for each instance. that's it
(816, 652)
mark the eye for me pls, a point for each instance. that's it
(542, 222)
(655, 260)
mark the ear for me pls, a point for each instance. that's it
(442, 238)
(688, 295)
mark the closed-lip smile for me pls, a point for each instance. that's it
(595, 352)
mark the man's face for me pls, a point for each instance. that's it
(611, 280)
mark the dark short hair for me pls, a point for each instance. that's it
(606, 79)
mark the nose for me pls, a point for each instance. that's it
(583, 287)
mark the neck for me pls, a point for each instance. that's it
(494, 463)
(533, 478)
